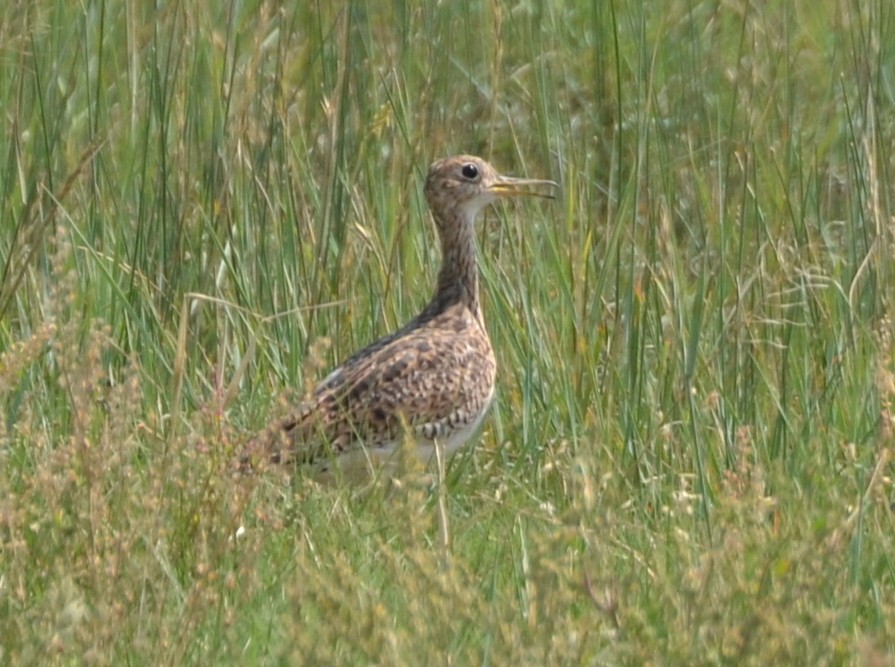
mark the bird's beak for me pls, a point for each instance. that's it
(507, 186)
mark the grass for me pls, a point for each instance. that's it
(688, 462)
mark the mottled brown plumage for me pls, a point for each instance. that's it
(434, 376)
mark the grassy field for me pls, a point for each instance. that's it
(689, 458)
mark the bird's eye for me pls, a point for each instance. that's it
(470, 171)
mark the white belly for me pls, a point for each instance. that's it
(363, 460)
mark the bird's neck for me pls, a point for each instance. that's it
(458, 280)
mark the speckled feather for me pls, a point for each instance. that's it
(435, 375)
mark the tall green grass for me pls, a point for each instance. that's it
(688, 462)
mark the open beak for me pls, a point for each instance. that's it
(507, 186)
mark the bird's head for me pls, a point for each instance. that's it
(465, 184)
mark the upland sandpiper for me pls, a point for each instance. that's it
(431, 380)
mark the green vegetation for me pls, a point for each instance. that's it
(688, 462)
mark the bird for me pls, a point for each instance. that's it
(433, 379)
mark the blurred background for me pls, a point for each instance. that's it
(203, 209)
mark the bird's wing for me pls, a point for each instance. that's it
(429, 380)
